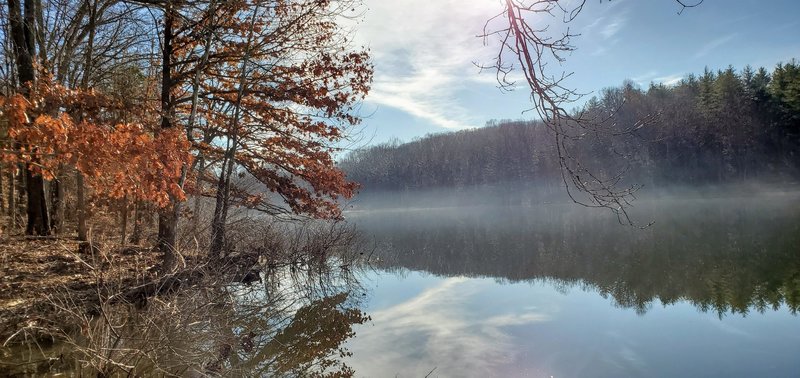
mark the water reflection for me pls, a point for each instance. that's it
(294, 324)
(729, 255)
(446, 327)
(486, 291)
(525, 291)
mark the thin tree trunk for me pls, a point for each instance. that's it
(39, 36)
(81, 206)
(201, 167)
(11, 203)
(209, 36)
(218, 242)
(87, 71)
(219, 220)
(21, 185)
(138, 219)
(124, 221)
(57, 201)
(2, 202)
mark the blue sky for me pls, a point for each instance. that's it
(426, 82)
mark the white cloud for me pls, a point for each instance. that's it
(601, 32)
(669, 79)
(653, 77)
(423, 52)
(434, 329)
(594, 24)
(613, 27)
(645, 78)
(598, 51)
(713, 44)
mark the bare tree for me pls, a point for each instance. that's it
(533, 49)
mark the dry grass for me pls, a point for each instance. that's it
(32, 271)
(66, 306)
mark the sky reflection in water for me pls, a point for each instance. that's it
(479, 327)
(471, 319)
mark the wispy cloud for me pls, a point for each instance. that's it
(645, 77)
(655, 77)
(594, 24)
(612, 28)
(435, 328)
(786, 26)
(713, 44)
(605, 27)
(669, 79)
(598, 51)
(423, 52)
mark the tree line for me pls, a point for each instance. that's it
(720, 126)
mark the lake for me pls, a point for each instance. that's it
(712, 288)
(469, 285)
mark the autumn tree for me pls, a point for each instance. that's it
(266, 87)
(298, 87)
(110, 141)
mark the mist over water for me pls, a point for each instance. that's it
(533, 194)
(542, 286)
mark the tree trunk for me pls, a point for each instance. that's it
(57, 201)
(167, 217)
(209, 36)
(19, 30)
(2, 202)
(22, 32)
(124, 230)
(218, 242)
(137, 223)
(21, 185)
(11, 196)
(201, 167)
(81, 206)
(87, 71)
(167, 237)
(219, 220)
(38, 220)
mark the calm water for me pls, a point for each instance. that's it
(522, 287)
(712, 289)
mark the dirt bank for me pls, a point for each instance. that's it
(37, 275)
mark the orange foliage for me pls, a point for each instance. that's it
(300, 92)
(84, 129)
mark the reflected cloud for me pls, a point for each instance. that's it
(730, 329)
(436, 329)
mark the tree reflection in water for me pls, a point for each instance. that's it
(727, 255)
(293, 323)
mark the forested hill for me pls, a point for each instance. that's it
(717, 127)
